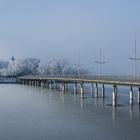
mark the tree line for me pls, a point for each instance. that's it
(34, 66)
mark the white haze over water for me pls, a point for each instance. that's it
(48, 29)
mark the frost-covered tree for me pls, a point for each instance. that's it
(27, 66)
(4, 64)
(57, 66)
(21, 67)
(43, 69)
(32, 66)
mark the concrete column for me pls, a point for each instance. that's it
(75, 87)
(114, 96)
(37, 83)
(50, 85)
(43, 83)
(103, 91)
(40, 83)
(96, 91)
(63, 87)
(47, 84)
(131, 95)
(81, 90)
(139, 95)
(92, 90)
(54, 85)
(30, 83)
(60, 86)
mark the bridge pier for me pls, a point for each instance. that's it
(32, 83)
(96, 91)
(41, 84)
(54, 85)
(114, 96)
(50, 85)
(139, 95)
(38, 83)
(29, 83)
(35, 83)
(81, 90)
(92, 90)
(60, 86)
(103, 91)
(26, 82)
(131, 95)
(63, 87)
(75, 87)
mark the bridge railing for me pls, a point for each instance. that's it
(94, 77)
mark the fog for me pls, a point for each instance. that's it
(67, 29)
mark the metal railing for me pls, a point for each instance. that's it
(92, 77)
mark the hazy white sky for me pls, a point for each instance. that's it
(48, 29)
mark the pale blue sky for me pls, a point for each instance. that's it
(48, 29)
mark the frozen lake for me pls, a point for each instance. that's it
(34, 113)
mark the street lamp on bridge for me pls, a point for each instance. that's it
(135, 59)
(78, 68)
(100, 62)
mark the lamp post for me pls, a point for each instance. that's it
(78, 68)
(135, 59)
(100, 62)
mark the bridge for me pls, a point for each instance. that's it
(94, 81)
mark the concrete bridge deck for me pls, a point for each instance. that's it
(115, 81)
(108, 80)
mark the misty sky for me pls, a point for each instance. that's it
(47, 29)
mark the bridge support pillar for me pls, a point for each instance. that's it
(139, 95)
(29, 82)
(65, 84)
(60, 86)
(63, 87)
(96, 91)
(54, 85)
(36, 83)
(75, 87)
(42, 83)
(50, 85)
(131, 95)
(103, 91)
(92, 90)
(81, 90)
(114, 96)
